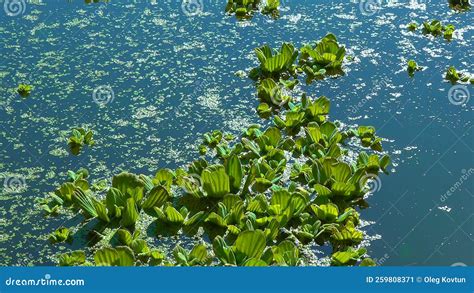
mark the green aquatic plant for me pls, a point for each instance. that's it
(60, 235)
(448, 31)
(412, 67)
(242, 8)
(24, 90)
(198, 256)
(271, 7)
(74, 258)
(454, 76)
(274, 63)
(460, 5)
(326, 56)
(79, 137)
(436, 28)
(412, 26)
(261, 197)
(244, 196)
(271, 93)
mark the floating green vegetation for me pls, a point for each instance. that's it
(244, 199)
(278, 71)
(454, 76)
(244, 9)
(257, 200)
(60, 235)
(413, 26)
(24, 90)
(326, 57)
(460, 5)
(412, 67)
(79, 137)
(271, 7)
(436, 28)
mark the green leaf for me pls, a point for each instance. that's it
(255, 262)
(326, 212)
(215, 181)
(74, 258)
(85, 202)
(157, 197)
(286, 253)
(101, 211)
(234, 170)
(250, 243)
(341, 172)
(199, 253)
(173, 215)
(120, 256)
(60, 235)
(130, 185)
(164, 177)
(124, 236)
(130, 214)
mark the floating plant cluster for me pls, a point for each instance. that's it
(79, 137)
(413, 67)
(434, 28)
(454, 76)
(460, 5)
(244, 9)
(24, 90)
(279, 69)
(262, 199)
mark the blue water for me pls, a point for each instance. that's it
(172, 78)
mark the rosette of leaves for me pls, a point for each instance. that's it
(139, 247)
(448, 32)
(413, 26)
(270, 93)
(326, 57)
(275, 64)
(61, 234)
(454, 76)
(412, 67)
(79, 137)
(242, 8)
(460, 5)
(24, 90)
(435, 27)
(198, 256)
(271, 7)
